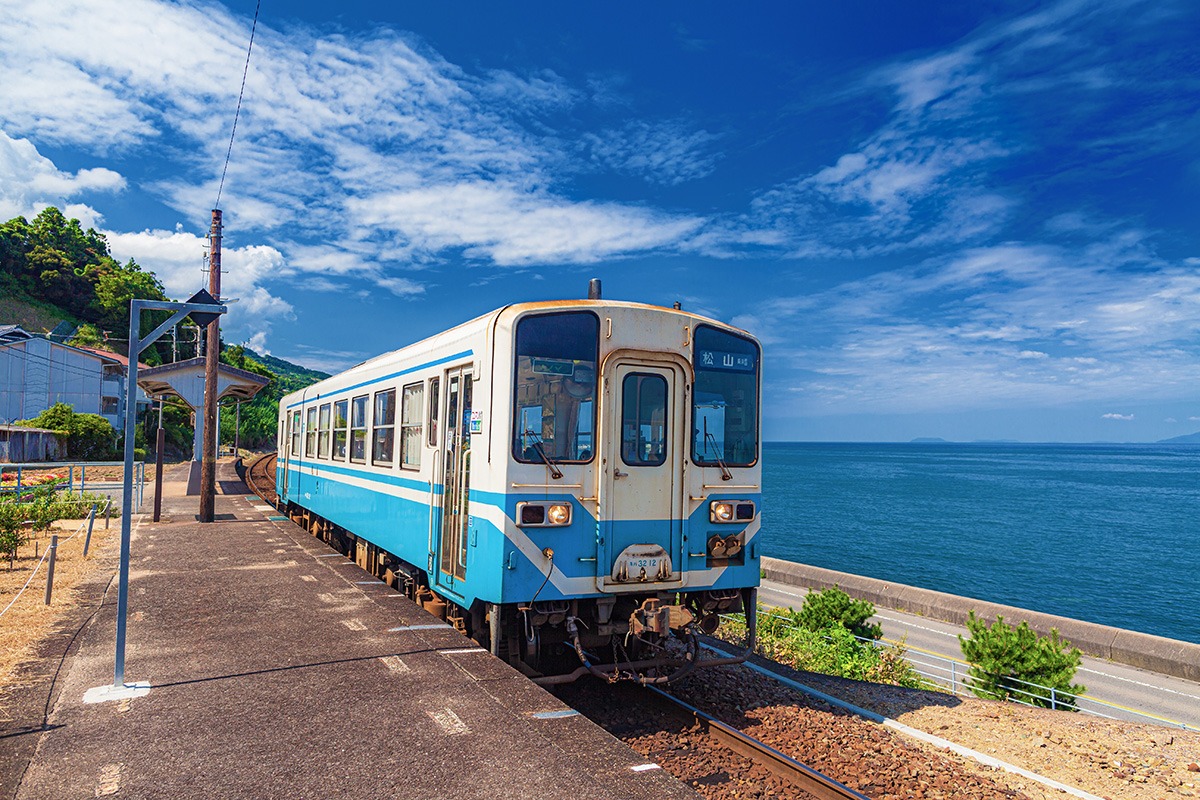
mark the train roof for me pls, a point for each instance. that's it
(516, 309)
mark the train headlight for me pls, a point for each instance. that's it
(543, 515)
(720, 511)
(559, 514)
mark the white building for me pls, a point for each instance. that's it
(36, 373)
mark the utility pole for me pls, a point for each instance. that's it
(208, 467)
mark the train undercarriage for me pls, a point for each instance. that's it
(644, 637)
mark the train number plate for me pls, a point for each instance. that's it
(642, 563)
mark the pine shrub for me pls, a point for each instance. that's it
(1005, 659)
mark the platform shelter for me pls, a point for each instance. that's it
(185, 380)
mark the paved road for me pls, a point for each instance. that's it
(1113, 690)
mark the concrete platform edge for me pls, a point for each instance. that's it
(1143, 650)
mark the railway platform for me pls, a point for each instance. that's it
(277, 668)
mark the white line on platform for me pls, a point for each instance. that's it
(369, 583)
(449, 721)
(418, 627)
(331, 555)
(570, 712)
(395, 664)
(354, 624)
(463, 650)
(645, 767)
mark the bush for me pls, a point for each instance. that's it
(90, 437)
(1001, 655)
(834, 607)
(831, 651)
(12, 529)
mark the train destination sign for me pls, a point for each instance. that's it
(716, 359)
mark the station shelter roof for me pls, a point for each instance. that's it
(185, 380)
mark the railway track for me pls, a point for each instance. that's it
(260, 477)
(715, 758)
(783, 767)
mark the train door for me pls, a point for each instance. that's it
(288, 444)
(456, 480)
(642, 479)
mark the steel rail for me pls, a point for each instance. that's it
(252, 484)
(795, 772)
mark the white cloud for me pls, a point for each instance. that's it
(29, 182)
(177, 258)
(667, 152)
(332, 123)
(1121, 417)
(512, 227)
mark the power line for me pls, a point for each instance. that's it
(245, 71)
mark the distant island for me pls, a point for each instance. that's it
(1191, 438)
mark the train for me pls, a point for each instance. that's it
(575, 484)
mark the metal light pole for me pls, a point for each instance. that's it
(200, 307)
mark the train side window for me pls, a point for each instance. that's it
(358, 430)
(323, 433)
(383, 428)
(340, 423)
(310, 434)
(295, 433)
(434, 385)
(410, 426)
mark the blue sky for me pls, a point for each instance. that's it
(965, 220)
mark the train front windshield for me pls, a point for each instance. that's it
(725, 401)
(555, 397)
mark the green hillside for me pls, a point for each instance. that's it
(51, 270)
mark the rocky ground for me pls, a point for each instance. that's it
(1106, 758)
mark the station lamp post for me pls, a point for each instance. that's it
(202, 308)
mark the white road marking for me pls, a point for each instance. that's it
(915, 625)
(449, 722)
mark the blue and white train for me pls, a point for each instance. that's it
(575, 484)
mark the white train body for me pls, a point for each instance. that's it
(544, 465)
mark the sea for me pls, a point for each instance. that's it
(1108, 533)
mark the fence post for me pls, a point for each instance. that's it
(82, 478)
(50, 568)
(953, 676)
(107, 512)
(70, 480)
(1053, 700)
(87, 540)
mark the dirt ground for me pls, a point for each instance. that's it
(30, 619)
(1111, 759)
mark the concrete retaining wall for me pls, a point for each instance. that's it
(1154, 653)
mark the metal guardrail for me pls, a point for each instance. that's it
(954, 675)
(70, 485)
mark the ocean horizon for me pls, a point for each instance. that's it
(1098, 531)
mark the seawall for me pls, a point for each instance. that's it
(1154, 653)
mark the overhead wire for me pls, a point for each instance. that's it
(238, 111)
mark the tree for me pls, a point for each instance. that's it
(90, 437)
(1004, 660)
(834, 607)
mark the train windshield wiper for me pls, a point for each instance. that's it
(726, 475)
(537, 445)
